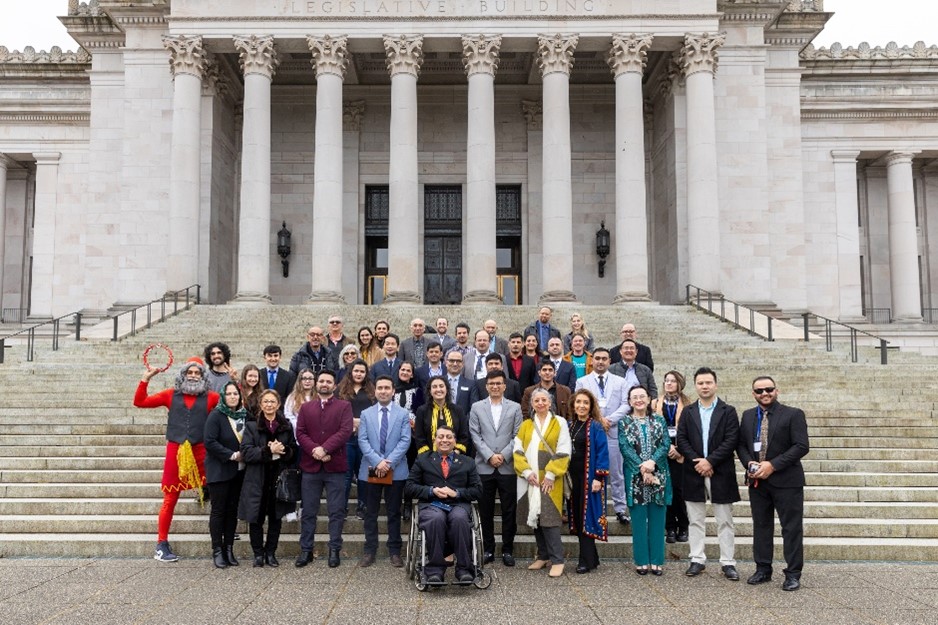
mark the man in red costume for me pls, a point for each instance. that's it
(188, 403)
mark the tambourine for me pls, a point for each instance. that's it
(146, 357)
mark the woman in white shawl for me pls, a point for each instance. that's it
(541, 457)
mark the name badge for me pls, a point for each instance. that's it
(672, 432)
(602, 402)
(757, 446)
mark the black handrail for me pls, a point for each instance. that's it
(854, 334)
(162, 302)
(30, 333)
(709, 297)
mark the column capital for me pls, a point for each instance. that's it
(213, 82)
(404, 54)
(900, 157)
(628, 53)
(480, 53)
(352, 113)
(699, 53)
(845, 156)
(257, 55)
(533, 113)
(555, 53)
(330, 54)
(186, 55)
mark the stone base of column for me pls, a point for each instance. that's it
(556, 297)
(251, 299)
(326, 297)
(631, 296)
(908, 320)
(481, 297)
(402, 298)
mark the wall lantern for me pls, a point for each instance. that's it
(284, 248)
(602, 247)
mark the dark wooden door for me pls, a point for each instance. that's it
(442, 269)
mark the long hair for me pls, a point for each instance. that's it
(225, 351)
(249, 395)
(445, 383)
(298, 396)
(681, 382)
(346, 389)
(594, 413)
(583, 331)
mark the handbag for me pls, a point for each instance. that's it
(288, 486)
(567, 480)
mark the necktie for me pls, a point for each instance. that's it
(453, 389)
(444, 464)
(478, 364)
(556, 365)
(602, 384)
(390, 365)
(271, 378)
(384, 429)
(763, 436)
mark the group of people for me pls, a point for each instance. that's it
(545, 422)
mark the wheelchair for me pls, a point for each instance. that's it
(417, 556)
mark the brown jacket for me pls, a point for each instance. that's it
(564, 407)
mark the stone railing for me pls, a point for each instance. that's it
(864, 52)
(55, 55)
(84, 9)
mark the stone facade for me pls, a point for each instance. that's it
(719, 147)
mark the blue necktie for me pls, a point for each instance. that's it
(271, 378)
(383, 436)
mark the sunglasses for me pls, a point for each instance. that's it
(767, 390)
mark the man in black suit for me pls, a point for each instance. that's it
(391, 363)
(521, 368)
(460, 387)
(707, 437)
(564, 372)
(432, 367)
(445, 484)
(493, 362)
(274, 376)
(644, 352)
(773, 438)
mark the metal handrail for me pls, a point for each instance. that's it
(705, 300)
(30, 333)
(854, 334)
(162, 302)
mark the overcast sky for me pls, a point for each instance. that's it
(33, 22)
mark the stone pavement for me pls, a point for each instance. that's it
(191, 592)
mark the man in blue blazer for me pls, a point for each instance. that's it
(384, 437)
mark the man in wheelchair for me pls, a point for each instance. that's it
(445, 483)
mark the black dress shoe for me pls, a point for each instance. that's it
(488, 557)
(657, 571)
(508, 559)
(730, 573)
(435, 579)
(334, 559)
(641, 571)
(682, 536)
(695, 569)
(258, 562)
(623, 518)
(466, 577)
(791, 583)
(303, 559)
(230, 556)
(218, 557)
(271, 560)
(581, 569)
(672, 537)
(759, 577)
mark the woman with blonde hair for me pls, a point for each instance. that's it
(577, 327)
(303, 391)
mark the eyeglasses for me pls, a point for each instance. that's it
(307, 378)
(767, 390)
(454, 361)
(333, 322)
(314, 334)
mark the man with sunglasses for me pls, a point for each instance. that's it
(772, 440)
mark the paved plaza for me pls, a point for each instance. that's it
(190, 592)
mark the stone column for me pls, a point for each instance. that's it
(188, 63)
(353, 256)
(699, 63)
(330, 60)
(903, 239)
(480, 275)
(5, 163)
(258, 62)
(405, 56)
(848, 235)
(627, 60)
(555, 58)
(44, 235)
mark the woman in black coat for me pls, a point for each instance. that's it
(224, 429)
(267, 448)
(440, 410)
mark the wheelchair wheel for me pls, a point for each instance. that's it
(483, 579)
(420, 582)
(413, 548)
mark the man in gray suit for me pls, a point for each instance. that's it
(611, 393)
(634, 372)
(493, 424)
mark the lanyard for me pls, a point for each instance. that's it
(670, 410)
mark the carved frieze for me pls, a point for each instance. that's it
(257, 55)
(404, 54)
(480, 53)
(330, 54)
(865, 52)
(186, 55)
(55, 55)
(84, 9)
(699, 53)
(629, 53)
(352, 113)
(555, 53)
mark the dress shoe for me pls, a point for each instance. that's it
(488, 557)
(695, 569)
(730, 573)
(367, 560)
(537, 565)
(230, 556)
(759, 577)
(791, 583)
(466, 577)
(435, 579)
(657, 571)
(396, 561)
(360, 514)
(682, 536)
(581, 569)
(640, 570)
(508, 559)
(218, 557)
(623, 518)
(405, 514)
(303, 559)
(258, 562)
(334, 559)
(556, 570)
(671, 537)
(271, 560)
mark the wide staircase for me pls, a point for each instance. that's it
(80, 466)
